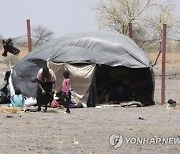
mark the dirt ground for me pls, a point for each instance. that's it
(92, 130)
(88, 131)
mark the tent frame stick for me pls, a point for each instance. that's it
(163, 65)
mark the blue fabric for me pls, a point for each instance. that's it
(17, 101)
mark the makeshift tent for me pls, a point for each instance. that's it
(104, 66)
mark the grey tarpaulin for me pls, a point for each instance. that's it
(103, 48)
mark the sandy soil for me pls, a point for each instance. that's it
(90, 130)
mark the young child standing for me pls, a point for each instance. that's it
(66, 89)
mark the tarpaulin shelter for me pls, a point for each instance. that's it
(104, 66)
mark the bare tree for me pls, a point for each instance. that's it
(41, 34)
(147, 17)
(164, 14)
(116, 14)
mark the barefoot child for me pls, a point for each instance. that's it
(66, 89)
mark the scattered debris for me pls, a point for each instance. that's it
(131, 104)
(31, 110)
(9, 116)
(140, 118)
(171, 103)
(98, 107)
(75, 141)
(112, 105)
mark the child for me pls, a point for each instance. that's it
(17, 100)
(66, 89)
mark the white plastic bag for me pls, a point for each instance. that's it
(30, 102)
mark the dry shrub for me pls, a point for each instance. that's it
(11, 59)
(13, 110)
(172, 58)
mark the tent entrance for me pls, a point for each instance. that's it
(121, 84)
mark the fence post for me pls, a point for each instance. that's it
(29, 36)
(163, 65)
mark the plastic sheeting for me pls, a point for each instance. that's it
(108, 48)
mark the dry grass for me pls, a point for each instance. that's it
(172, 58)
(13, 59)
(5, 109)
(24, 52)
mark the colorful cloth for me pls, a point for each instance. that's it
(17, 101)
(66, 86)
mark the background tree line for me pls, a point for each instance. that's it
(146, 16)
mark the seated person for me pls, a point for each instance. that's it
(17, 100)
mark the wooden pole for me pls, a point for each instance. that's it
(29, 36)
(163, 65)
(130, 30)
